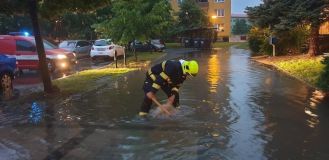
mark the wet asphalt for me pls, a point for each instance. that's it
(234, 109)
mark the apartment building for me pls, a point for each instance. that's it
(218, 12)
(324, 29)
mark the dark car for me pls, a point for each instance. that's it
(140, 46)
(7, 69)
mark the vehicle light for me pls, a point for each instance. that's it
(111, 47)
(63, 65)
(26, 34)
(61, 56)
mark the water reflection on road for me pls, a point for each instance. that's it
(234, 109)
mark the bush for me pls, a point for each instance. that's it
(254, 44)
(258, 41)
(255, 40)
(292, 42)
(289, 42)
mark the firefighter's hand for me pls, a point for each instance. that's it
(164, 108)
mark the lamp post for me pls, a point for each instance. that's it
(213, 18)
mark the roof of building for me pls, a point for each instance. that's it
(239, 15)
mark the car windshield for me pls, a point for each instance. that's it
(102, 42)
(156, 41)
(67, 44)
(47, 45)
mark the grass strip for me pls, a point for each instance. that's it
(306, 69)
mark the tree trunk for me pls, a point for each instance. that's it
(40, 48)
(134, 50)
(314, 41)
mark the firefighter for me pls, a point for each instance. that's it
(168, 76)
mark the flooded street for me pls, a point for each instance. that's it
(233, 109)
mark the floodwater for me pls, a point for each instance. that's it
(234, 109)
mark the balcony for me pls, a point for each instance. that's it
(203, 3)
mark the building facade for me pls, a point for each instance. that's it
(324, 29)
(236, 17)
(218, 12)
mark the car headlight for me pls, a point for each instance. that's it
(61, 56)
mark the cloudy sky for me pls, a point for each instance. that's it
(238, 6)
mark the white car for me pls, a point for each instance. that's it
(106, 48)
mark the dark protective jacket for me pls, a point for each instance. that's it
(166, 74)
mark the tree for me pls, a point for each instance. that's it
(285, 15)
(136, 19)
(48, 88)
(314, 13)
(240, 27)
(191, 16)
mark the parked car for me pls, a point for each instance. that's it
(158, 44)
(106, 48)
(79, 47)
(140, 46)
(23, 48)
(7, 70)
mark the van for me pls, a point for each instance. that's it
(23, 48)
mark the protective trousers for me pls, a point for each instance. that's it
(146, 105)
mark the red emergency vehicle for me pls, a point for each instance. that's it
(23, 48)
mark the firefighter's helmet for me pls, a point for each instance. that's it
(190, 68)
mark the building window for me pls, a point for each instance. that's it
(220, 12)
(203, 0)
(219, 1)
(219, 27)
(216, 26)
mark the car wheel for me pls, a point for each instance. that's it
(6, 86)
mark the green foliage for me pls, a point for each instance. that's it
(190, 16)
(324, 76)
(259, 41)
(286, 15)
(307, 70)
(13, 23)
(292, 41)
(10, 7)
(241, 27)
(76, 26)
(289, 42)
(136, 19)
(54, 9)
